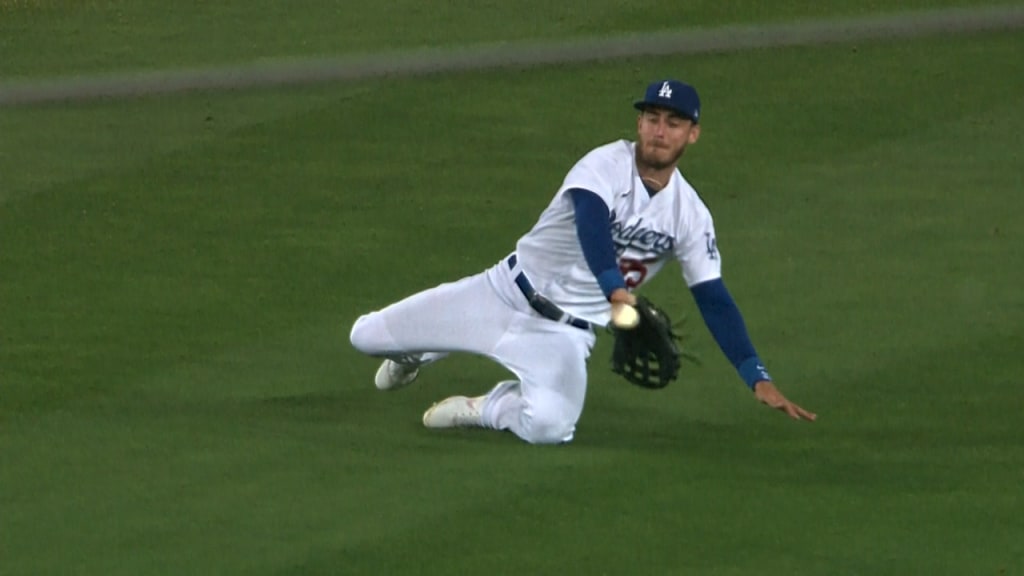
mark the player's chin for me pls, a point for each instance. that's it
(660, 158)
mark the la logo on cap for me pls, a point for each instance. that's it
(666, 91)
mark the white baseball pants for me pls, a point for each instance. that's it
(488, 315)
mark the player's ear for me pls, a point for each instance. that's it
(694, 134)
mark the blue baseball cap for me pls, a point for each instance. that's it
(673, 95)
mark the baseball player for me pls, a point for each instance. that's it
(620, 214)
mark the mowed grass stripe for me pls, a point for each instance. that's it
(55, 149)
(518, 54)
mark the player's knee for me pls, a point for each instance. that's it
(546, 428)
(368, 335)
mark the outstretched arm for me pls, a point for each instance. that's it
(723, 319)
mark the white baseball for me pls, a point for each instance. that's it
(624, 316)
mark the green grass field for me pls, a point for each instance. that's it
(178, 276)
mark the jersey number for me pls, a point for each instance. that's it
(633, 272)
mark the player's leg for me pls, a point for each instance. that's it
(464, 316)
(543, 406)
(547, 401)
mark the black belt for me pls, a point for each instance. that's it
(542, 305)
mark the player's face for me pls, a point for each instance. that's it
(662, 136)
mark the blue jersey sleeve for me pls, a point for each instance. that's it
(594, 232)
(723, 319)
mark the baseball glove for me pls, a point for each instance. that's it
(648, 354)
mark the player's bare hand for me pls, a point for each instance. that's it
(767, 393)
(621, 295)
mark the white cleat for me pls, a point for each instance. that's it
(455, 412)
(391, 375)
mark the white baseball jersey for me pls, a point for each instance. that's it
(646, 230)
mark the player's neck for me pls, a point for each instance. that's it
(655, 179)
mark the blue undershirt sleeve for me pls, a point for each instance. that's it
(723, 319)
(594, 233)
